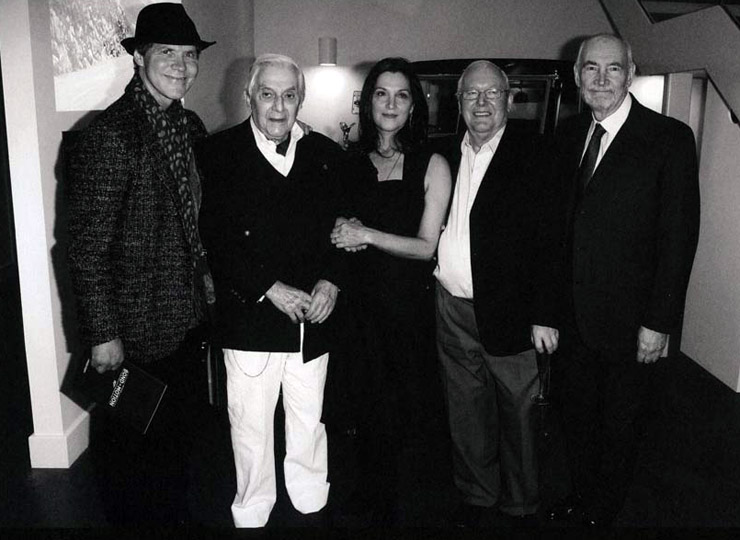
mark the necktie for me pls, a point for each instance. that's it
(586, 170)
(282, 148)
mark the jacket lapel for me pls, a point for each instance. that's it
(501, 167)
(248, 162)
(627, 142)
(244, 149)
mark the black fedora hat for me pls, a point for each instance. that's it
(164, 23)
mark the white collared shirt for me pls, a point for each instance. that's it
(282, 164)
(454, 270)
(611, 124)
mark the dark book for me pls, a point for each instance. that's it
(129, 393)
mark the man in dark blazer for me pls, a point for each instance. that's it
(632, 199)
(270, 196)
(135, 260)
(487, 314)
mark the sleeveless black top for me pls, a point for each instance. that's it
(386, 282)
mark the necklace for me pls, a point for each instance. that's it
(389, 156)
(394, 166)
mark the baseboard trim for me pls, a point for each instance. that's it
(60, 451)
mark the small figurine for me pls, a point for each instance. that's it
(346, 128)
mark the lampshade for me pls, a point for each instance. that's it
(327, 51)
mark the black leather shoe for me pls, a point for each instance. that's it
(319, 520)
(527, 521)
(359, 504)
(466, 516)
(593, 518)
(385, 514)
(568, 509)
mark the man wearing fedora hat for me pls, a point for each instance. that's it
(138, 266)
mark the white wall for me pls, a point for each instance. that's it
(37, 181)
(712, 319)
(60, 427)
(368, 30)
(217, 95)
(706, 39)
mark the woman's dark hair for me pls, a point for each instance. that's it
(414, 133)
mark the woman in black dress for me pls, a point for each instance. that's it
(400, 192)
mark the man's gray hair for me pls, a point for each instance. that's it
(269, 59)
(624, 43)
(477, 63)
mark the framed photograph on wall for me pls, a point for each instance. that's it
(91, 68)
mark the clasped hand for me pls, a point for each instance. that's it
(300, 306)
(349, 234)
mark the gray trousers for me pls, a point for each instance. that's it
(492, 419)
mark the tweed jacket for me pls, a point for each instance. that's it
(260, 227)
(129, 258)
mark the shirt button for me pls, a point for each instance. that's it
(246, 233)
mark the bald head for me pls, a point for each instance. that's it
(604, 39)
(482, 65)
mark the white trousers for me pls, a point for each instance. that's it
(253, 385)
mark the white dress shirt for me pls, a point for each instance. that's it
(268, 148)
(454, 271)
(611, 124)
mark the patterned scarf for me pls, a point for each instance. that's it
(173, 134)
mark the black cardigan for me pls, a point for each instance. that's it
(260, 227)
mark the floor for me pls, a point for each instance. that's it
(688, 473)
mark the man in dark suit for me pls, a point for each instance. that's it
(632, 220)
(136, 259)
(270, 195)
(487, 314)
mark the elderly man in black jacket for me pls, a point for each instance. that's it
(631, 209)
(489, 318)
(269, 205)
(134, 257)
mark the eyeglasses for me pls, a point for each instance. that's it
(291, 96)
(492, 94)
